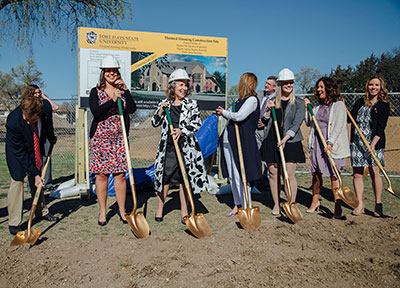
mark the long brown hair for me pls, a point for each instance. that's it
(247, 85)
(29, 91)
(102, 79)
(382, 95)
(331, 89)
(31, 107)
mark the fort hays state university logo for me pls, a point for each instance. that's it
(91, 37)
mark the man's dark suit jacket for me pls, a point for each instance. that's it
(20, 152)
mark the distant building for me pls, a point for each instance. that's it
(155, 78)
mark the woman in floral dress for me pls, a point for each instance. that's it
(371, 114)
(107, 151)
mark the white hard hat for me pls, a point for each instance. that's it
(109, 62)
(285, 75)
(178, 74)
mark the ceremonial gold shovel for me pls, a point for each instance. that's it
(291, 210)
(249, 218)
(344, 193)
(136, 221)
(32, 236)
(196, 223)
(389, 188)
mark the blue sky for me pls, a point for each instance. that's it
(263, 36)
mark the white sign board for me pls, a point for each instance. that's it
(89, 61)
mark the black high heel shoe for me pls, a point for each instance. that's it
(159, 219)
(102, 223)
(378, 210)
(338, 210)
(124, 221)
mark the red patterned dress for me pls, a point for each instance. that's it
(107, 151)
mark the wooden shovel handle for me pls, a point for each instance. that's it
(127, 154)
(38, 190)
(181, 164)
(241, 162)
(278, 138)
(325, 145)
(368, 147)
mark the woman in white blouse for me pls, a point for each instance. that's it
(246, 117)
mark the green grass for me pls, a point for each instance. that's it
(80, 221)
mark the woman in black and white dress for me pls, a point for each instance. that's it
(185, 116)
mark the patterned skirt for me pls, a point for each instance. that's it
(360, 157)
(107, 150)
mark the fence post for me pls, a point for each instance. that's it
(80, 131)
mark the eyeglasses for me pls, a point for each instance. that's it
(287, 83)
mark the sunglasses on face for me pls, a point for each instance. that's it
(110, 70)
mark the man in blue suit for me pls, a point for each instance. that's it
(31, 119)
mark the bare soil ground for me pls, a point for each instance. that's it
(358, 251)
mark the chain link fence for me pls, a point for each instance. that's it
(144, 137)
(63, 157)
(392, 149)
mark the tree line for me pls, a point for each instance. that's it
(352, 79)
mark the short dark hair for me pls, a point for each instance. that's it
(272, 78)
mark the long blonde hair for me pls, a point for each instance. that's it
(383, 93)
(278, 96)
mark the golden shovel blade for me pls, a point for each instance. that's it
(138, 224)
(394, 192)
(198, 225)
(292, 211)
(19, 239)
(249, 218)
(34, 236)
(347, 196)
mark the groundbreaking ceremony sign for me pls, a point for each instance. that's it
(147, 59)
